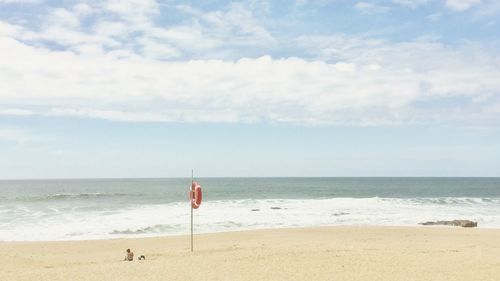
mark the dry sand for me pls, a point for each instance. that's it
(330, 253)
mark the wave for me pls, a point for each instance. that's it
(159, 228)
(60, 196)
(446, 200)
(83, 195)
(242, 214)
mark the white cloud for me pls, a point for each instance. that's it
(61, 26)
(105, 72)
(188, 38)
(434, 17)
(214, 33)
(487, 9)
(240, 20)
(7, 29)
(461, 5)
(454, 5)
(372, 82)
(19, 1)
(136, 12)
(112, 29)
(62, 17)
(82, 9)
(153, 49)
(130, 27)
(411, 3)
(16, 112)
(67, 37)
(370, 8)
(13, 134)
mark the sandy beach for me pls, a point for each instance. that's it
(327, 253)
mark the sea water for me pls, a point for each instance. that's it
(33, 210)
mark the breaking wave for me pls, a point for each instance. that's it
(242, 214)
(62, 196)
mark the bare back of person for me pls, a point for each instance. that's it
(129, 256)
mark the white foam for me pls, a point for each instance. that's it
(233, 215)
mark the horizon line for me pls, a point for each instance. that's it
(239, 177)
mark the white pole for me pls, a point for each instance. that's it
(190, 203)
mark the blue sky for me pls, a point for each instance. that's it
(153, 88)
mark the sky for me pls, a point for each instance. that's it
(154, 88)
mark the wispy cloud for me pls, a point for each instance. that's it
(370, 8)
(131, 28)
(434, 17)
(454, 5)
(19, 1)
(14, 134)
(16, 112)
(461, 5)
(411, 3)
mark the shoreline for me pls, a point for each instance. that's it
(317, 253)
(163, 235)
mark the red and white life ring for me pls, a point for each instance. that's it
(195, 195)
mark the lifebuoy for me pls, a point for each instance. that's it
(195, 195)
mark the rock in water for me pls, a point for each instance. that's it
(462, 223)
(467, 223)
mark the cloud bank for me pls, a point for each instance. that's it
(126, 67)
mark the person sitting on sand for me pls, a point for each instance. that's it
(129, 256)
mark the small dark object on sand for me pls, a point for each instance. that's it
(275, 208)
(142, 257)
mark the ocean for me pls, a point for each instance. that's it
(79, 209)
